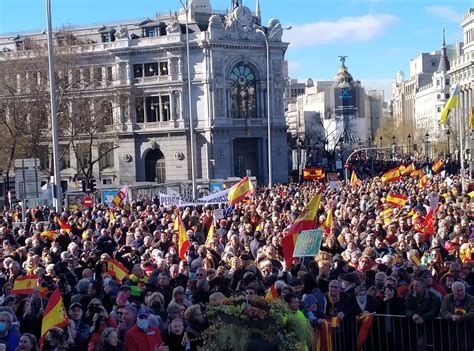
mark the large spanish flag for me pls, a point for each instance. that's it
(391, 176)
(25, 285)
(313, 173)
(63, 225)
(423, 181)
(49, 234)
(54, 314)
(396, 200)
(305, 221)
(183, 240)
(404, 170)
(437, 166)
(116, 269)
(239, 191)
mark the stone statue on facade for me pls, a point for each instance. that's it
(173, 26)
(275, 29)
(121, 32)
(216, 27)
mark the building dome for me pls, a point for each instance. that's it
(343, 78)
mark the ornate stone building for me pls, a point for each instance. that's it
(145, 62)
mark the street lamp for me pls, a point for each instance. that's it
(394, 146)
(409, 145)
(191, 125)
(381, 138)
(426, 146)
(448, 134)
(267, 35)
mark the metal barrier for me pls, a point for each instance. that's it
(399, 333)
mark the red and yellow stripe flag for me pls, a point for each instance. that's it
(391, 176)
(471, 118)
(396, 200)
(423, 181)
(211, 233)
(387, 215)
(116, 269)
(406, 170)
(416, 260)
(183, 240)
(49, 234)
(239, 191)
(333, 322)
(417, 173)
(354, 180)
(63, 225)
(305, 221)
(328, 222)
(54, 314)
(365, 321)
(25, 285)
(271, 294)
(437, 166)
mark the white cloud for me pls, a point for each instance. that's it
(347, 29)
(445, 12)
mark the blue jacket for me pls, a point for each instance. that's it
(11, 341)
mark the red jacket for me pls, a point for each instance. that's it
(138, 340)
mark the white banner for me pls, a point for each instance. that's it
(213, 199)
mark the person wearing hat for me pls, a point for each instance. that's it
(349, 283)
(75, 313)
(143, 336)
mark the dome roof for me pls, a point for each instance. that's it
(343, 78)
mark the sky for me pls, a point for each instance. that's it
(378, 36)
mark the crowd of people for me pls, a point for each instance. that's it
(364, 265)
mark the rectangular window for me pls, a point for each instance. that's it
(163, 68)
(86, 76)
(106, 37)
(151, 69)
(150, 32)
(165, 108)
(138, 70)
(447, 82)
(106, 154)
(139, 112)
(83, 156)
(109, 74)
(447, 96)
(64, 156)
(438, 109)
(98, 75)
(152, 108)
(438, 96)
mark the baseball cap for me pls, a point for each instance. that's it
(144, 312)
(74, 305)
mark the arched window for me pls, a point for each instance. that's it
(243, 92)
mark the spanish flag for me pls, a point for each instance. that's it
(63, 225)
(354, 180)
(428, 228)
(25, 285)
(453, 101)
(406, 170)
(423, 182)
(239, 191)
(391, 176)
(387, 215)
(183, 240)
(333, 322)
(211, 233)
(271, 294)
(437, 166)
(396, 200)
(328, 222)
(417, 173)
(49, 234)
(416, 260)
(365, 321)
(116, 269)
(54, 314)
(305, 221)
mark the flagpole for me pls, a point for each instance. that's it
(461, 146)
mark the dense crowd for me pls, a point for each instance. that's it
(365, 264)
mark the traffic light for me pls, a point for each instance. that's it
(92, 185)
(84, 186)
